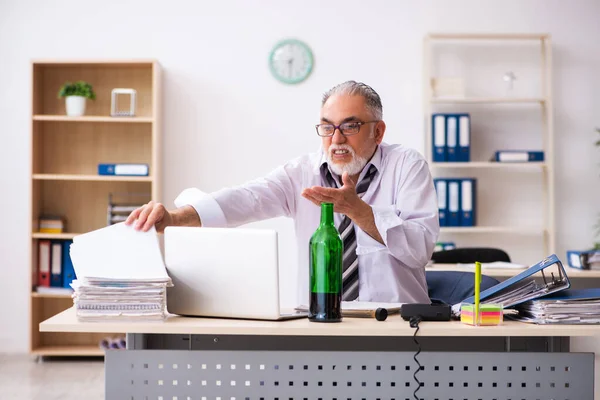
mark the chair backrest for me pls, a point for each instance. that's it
(469, 255)
(452, 287)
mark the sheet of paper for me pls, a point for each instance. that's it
(118, 252)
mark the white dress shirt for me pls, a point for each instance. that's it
(404, 203)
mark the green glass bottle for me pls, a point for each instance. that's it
(326, 252)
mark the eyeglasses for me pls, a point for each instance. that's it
(346, 128)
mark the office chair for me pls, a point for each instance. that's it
(469, 255)
(452, 287)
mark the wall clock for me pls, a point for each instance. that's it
(291, 61)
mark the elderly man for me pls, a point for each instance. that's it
(383, 196)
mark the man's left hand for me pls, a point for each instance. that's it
(345, 200)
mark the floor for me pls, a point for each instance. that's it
(22, 378)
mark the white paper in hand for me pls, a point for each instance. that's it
(118, 252)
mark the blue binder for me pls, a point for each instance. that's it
(468, 190)
(67, 265)
(452, 137)
(453, 205)
(124, 169)
(464, 138)
(518, 156)
(552, 280)
(574, 294)
(438, 137)
(441, 188)
(56, 264)
(580, 259)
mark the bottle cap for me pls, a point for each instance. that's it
(381, 314)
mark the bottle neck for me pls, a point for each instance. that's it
(326, 214)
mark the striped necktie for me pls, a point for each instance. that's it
(346, 229)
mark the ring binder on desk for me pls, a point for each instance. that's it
(545, 277)
(586, 259)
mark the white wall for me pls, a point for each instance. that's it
(227, 120)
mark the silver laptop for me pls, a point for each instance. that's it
(224, 272)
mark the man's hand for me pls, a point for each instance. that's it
(345, 200)
(151, 214)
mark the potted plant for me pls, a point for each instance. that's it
(75, 95)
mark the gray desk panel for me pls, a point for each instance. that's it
(341, 375)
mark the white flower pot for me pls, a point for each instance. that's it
(75, 106)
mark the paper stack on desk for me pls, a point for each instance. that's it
(120, 275)
(571, 306)
(541, 279)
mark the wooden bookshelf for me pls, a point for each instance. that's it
(65, 153)
(481, 99)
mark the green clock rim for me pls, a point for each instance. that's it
(310, 61)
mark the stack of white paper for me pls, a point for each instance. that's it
(120, 274)
(560, 312)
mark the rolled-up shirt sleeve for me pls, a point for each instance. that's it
(410, 227)
(268, 197)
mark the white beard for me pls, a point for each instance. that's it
(352, 168)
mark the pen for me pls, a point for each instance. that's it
(477, 289)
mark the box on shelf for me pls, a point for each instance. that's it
(52, 224)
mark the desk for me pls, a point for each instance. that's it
(200, 358)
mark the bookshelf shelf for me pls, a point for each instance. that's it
(488, 36)
(95, 178)
(68, 351)
(489, 100)
(40, 235)
(117, 120)
(51, 295)
(489, 164)
(65, 153)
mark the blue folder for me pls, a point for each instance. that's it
(438, 137)
(580, 259)
(550, 283)
(468, 204)
(452, 137)
(464, 138)
(441, 189)
(453, 203)
(56, 279)
(67, 265)
(573, 294)
(518, 156)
